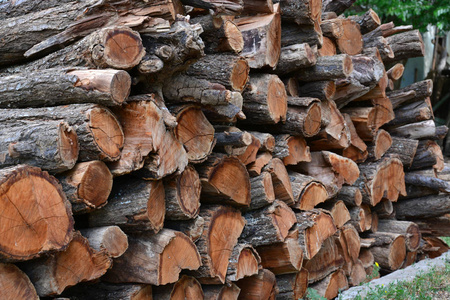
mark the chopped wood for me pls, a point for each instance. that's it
(295, 57)
(406, 45)
(439, 226)
(423, 207)
(192, 228)
(186, 287)
(411, 93)
(266, 140)
(282, 258)
(396, 72)
(244, 261)
(428, 154)
(292, 286)
(308, 191)
(327, 68)
(110, 239)
(261, 286)
(258, 6)
(367, 22)
(404, 149)
(281, 182)
(351, 195)
(262, 159)
(337, 6)
(338, 211)
(330, 286)
(221, 292)
(262, 193)
(381, 144)
(413, 112)
(291, 149)
(15, 283)
(301, 12)
(409, 229)
(328, 47)
(390, 256)
(231, 7)
(292, 34)
(322, 90)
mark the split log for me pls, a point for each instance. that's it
(99, 133)
(261, 39)
(182, 194)
(244, 261)
(223, 225)
(350, 242)
(384, 208)
(230, 71)
(281, 182)
(433, 247)
(391, 255)
(351, 195)
(367, 216)
(428, 154)
(79, 262)
(423, 207)
(15, 283)
(350, 39)
(366, 257)
(409, 229)
(328, 47)
(292, 286)
(327, 68)
(381, 179)
(439, 226)
(221, 292)
(381, 143)
(301, 12)
(380, 43)
(338, 211)
(358, 218)
(218, 175)
(265, 100)
(358, 274)
(261, 286)
(258, 6)
(411, 93)
(411, 258)
(268, 225)
(313, 227)
(186, 287)
(110, 239)
(292, 34)
(295, 57)
(261, 160)
(367, 22)
(406, 45)
(160, 260)
(404, 149)
(64, 86)
(266, 140)
(108, 291)
(251, 151)
(322, 90)
(262, 193)
(413, 112)
(357, 151)
(291, 149)
(338, 6)
(396, 72)
(282, 258)
(230, 7)
(146, 213)
(87, 186)
(49, 144)
(330, 286)
(192, 228)
(36, 214)
(308, 191)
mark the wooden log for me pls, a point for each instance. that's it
(49, 144)
(223, 225)
(381, 179)
(292, 34)
(358, 218)
(350, 242)
(186, 287)
(313, 227)
(427, 182)
(268, 225)
(396, 72)
(229, 7)
(338, 211)
(423, 207)
(367, 216)
(300, 12)
(219, 34)
(261, 286)
(110, 239)
(337, 6)
(406, 45)
(357, 151)
(37, 217)
(409, 229)
(146, 213)
(428, 154)
(160, 260)
(99, 133)
(230, 71)
(330, 286)
(293, 285)
(404, 149)
(262, 159)
(262, 41)
(79, 262)
(413, 112)
(266, 140)
(351, 41)
(295, 57)
(433, 247)
(328, 47)
(367, 22)
(413, 92)
(192, 228)
(15, 283)
(282, 258)
(64, 86)
(291, 149)
(308, 191)
(11, 9)
(104, 291)
(351, 195)
(87, 186)
(281, 182)
(244, 261)
(262, 193)
(221, 292)
(327, 68)
(384, 208)
(322, 90)
(379, 43)
(251, 151)
(218, 175)
(265, 100)
(439, 226)
(258, 6)
(380, 145)
(390, 256)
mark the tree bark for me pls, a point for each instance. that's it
(192, 228)
(414, 112)
(292, 286)
(303, 12)
(108, 291)
(322, 90)
(391, 255)
(110, 239)
(262, 193)
(338, 6)
(262, 159)
(381, 144)
(308, 191)
(404, 149)
(409, 229)
(351, 195)
(292, 34)
(330, 286)
(411, 93)
(423, 207)
(291, 149)
(295, 57)
(231, 7)
(406, 45)
(367, 22)
(281, 182)
(428, 154)
(327, 68)
(243, 262)
(221, 292)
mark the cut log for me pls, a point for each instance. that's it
(110, 239)
(433, 247)
(192, 228)
(338, 211)
(292, 34)
(223, 225)
(15, 283)
(295, 57)
(185, 288)
(79, 262)
(99, 133)
(308, 191)
(351, 41)
(265, 100)
(338, 6)
(301, 12)
(411, 93)
(105, 291)
(49, 144)
(218, 175)
(327, 68)
(87, 186)
(244, 261)
(380, 145)
(351, 195)
(262, 193)
(146, 213)
(159, 258)
(381, 179)
(423, 207)
(433, 183)
(358, 218)
(330, 286)
(413, 112)
(327, 260)
(391, 255)
(367, 22)
(358, 274)
(221, 292)
(350, 242)
(230, 71)
(314, 227)
(262, 159)
(36, 214)
(262, 39)
(64, 86)
(366, 258)
(357, 151)
(384, 208)
(428, 154)
(266, 140)
(439, 226)
(367, 216)
(282, 258)
(322, 90)
(409, 229)
(183, 195)
(292, 286)
(396, 72)
(328, 47)
(12, 9)
(230, 7)
(291, 149)
(281, 182)
(261, 286)
(251, 151)
(268, 225)
(404, 149)
(406, 45)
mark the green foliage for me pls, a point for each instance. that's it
(312, 294)
(375, 272)
(419, 13)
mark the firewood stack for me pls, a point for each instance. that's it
(209, 149)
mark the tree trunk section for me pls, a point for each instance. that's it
(282, 258)
(262, 193)
(327, 68)
(409, 229)
(15, 283)
(292, 286)
(295, 57)
(330, 286)
(221, 292)
(261, 286)
(185, 288)
(243, 262)
(308, 192)
(423, 207)
(110, 239)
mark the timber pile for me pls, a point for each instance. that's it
(210, 149)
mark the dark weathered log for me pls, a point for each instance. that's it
(404, 149)
(406, 45)
(411, 93)
(146, 213)
(186, 287)
(221, 292)
(367, 22)
(261, 286)
(413, 112)
(79, 262)
(301, 12)
(64, 86)
(110, 239)
(418, 180)
(337, 6)
(322, 90)
(11, 8)
(244, 261)
(292, 286)
(87, 185)
(192, 228)
(428, 154)
(268, 225)
(423, 207)
(231, 7)
(262, 193)
(434, 226)
(433, 247)
(327, 68)
(295, 57)
(109, 291)
(292, 34)
(282, 258)
(15, 283)
(351, 195)
(36, 214)
(159, 258)
(223, 225)
(358, 218)
(308, 191)
(330, 286)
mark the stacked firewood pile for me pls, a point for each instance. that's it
(209, 149)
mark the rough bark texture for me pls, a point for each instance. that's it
(327, 68)
(262, 193)
(406, 45)
(221, 292)
(110, 239)
(423, 207)
(244, 261)
(295, 57)
(292, 286)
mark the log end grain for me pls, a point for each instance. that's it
(15, 284)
